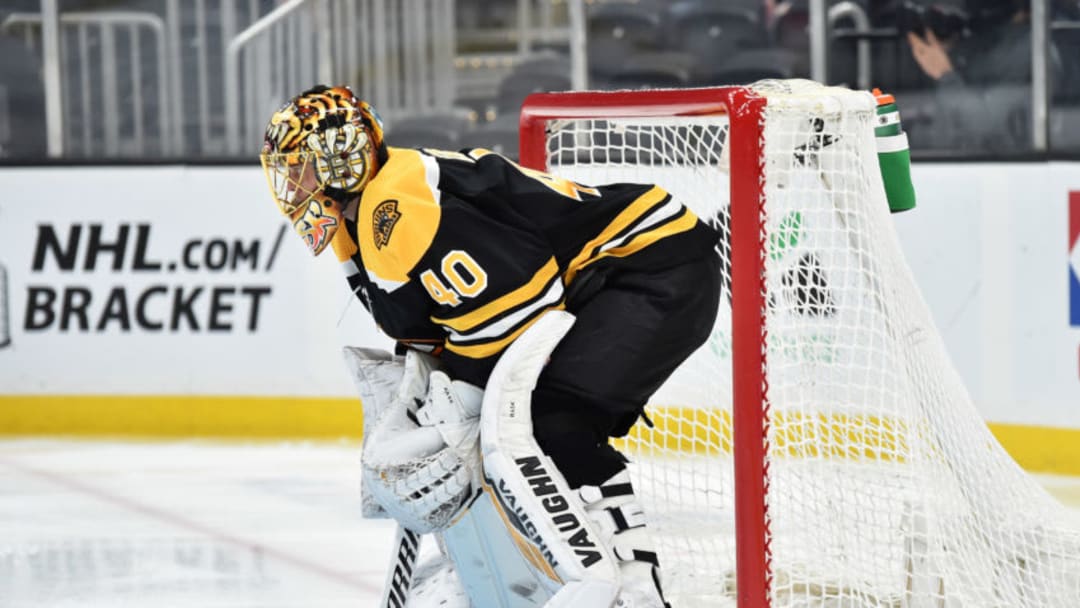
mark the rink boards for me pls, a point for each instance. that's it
(172, 301)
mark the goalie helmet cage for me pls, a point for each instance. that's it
(820, 449)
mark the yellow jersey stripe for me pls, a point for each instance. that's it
(685, 222)
(627, 217)
(487, 349)
(527, 292)
(660, 215)
(504, 323)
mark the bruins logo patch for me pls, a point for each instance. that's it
(385, 217)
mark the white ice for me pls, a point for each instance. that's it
(183, 524)
(196, 524)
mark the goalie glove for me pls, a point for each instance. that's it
(377, 375)
(421, 462)
(452, 407)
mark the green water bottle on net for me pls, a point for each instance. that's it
(894, 156)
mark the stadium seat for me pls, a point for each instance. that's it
(750, 66)
(22, 101)
(1065, 128)
(654, 70)
(1066, 42)
(728, 41)
(617, 31)
(514, 88)
(546, 63)
(499, 135)
(713, 31)
(428, 131)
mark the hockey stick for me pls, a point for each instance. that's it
(399, 576)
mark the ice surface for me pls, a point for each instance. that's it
(186, 524)
(193, 524)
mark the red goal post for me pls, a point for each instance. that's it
(743, 108)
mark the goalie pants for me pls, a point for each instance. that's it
(633, 329)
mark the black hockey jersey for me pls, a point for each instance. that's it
(460, 252)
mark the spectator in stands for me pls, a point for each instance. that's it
(981, 68)
(997, 51)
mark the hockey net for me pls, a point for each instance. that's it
(820, 449)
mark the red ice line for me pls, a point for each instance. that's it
(188, 524)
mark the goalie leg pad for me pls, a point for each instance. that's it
(493, 568)
(530, 489)
(487, 568)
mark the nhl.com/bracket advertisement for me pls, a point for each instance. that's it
(165, 280)
(148, 300)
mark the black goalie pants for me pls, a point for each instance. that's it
(630, 335)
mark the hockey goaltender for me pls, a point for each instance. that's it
(534, 317)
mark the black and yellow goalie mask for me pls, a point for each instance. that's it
(319, 152)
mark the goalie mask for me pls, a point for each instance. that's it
(319, 152)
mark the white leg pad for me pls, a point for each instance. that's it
(527, 485)
(493, 565)
(490, 563)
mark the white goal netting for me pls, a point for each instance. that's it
(884, 487)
